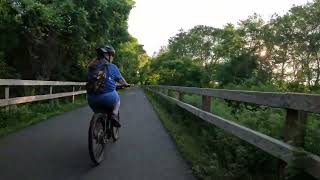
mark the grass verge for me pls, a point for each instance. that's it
(21, 116)
(193, 150)
(213, 153)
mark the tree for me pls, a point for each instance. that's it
(237, 70)
(163, 70)
(128, 58)
(45, 39)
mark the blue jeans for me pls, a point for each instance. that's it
(104, 101)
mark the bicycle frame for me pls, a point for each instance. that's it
(101, 136)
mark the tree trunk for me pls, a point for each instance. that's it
(316, 83)
(282, 73)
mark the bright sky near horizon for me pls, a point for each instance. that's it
(153, 22)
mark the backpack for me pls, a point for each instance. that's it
(96, 84)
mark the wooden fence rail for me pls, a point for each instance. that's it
(18, 82)
(296, 101)
(296, 105)
(27, 99)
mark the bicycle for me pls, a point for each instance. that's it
(101, 130)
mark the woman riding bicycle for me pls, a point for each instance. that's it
(106, 97)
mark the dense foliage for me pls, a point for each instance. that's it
(54, 40)
(282, 52)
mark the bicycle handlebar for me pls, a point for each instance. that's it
(118, 87)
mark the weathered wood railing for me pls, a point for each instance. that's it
(7, 83)
(296, 105)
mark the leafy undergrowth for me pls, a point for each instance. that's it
(269, 121)
(21, 116)
(215, 154)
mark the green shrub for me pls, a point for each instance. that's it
(20, 116)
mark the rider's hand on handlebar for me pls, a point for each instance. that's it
(122, 86)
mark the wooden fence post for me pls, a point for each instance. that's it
(51, 91)
(170, 93)
(166, 92)
(180, 96)
(86, 94)
(73, 94)
(206, 103)
(293, 133)
(7, 95)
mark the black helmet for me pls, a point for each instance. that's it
(101, 50)
(105, 49)
(110, 50)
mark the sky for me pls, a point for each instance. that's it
(153, 22)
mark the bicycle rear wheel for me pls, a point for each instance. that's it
(96, 138)
(115, 131)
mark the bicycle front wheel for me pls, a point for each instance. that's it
(96, 138)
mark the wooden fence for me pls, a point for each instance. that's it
(7, 83)
(296, 105)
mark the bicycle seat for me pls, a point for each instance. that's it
(104, 110)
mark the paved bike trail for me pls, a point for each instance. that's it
(56, 149)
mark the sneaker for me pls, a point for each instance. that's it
(115, 121)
